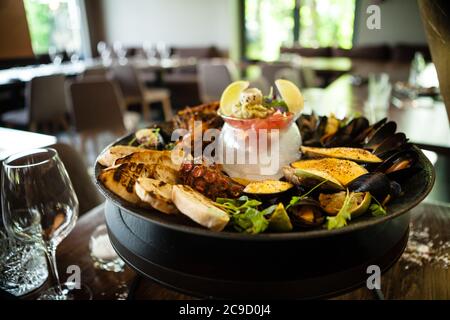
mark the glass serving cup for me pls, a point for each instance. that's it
(102, 252)
(23, 267)
(257, 149)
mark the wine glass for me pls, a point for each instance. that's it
(55, 55)
(121, 52)
(101, 47)
(105, 53)
(39, 205)
(150, 51)
(72, 52)
(163, 50)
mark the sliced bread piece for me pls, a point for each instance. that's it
(199, 208)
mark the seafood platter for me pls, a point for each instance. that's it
(248, 196)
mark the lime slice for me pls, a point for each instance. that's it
(291, 95)
(231, 95)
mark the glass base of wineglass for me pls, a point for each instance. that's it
(69, 292)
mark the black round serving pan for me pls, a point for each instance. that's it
(305, 264)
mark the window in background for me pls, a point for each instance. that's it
(54, 23)
(327, 23)
(268, 25)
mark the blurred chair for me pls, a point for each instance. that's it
(135, 92)
(96, 72)
(261, 84)
(214, 76)
(310, 78)
(97, 107)
(45, 105)
(196, 52)
(87, 194)
(270, 69)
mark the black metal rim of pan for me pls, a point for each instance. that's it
(395, 209)
(205, 285)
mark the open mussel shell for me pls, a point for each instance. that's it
(399, 165)
(345, 136)
(332, 203)
(331, 127)
(384, 132)
(368, 133)
(388, 153)
(392, 143)
(377, 183)
(358, 125)
(148, 138)
(312, 129)
(307, 213)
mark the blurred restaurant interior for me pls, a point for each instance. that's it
(78, 74)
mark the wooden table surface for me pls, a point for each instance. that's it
(421, 273)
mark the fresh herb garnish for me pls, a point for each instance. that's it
(344, 215)
(132, 141)
(169, 146)
(296, 199)
(251, 221)
(274, 103)
(377, 209)
(244, 214)
(151, 141)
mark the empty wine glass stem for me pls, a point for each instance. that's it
(51, 257)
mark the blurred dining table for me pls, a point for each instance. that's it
(26, 73)
(331, 64)
(13, 141)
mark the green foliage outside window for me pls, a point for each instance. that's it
(269, 24)
(54, 23)
(40, 25)
(327, 23)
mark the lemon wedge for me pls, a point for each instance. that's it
(291, 95)
(231, 95)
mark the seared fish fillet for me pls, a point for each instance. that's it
(150, 157)
(157, 194)
(121, 179)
